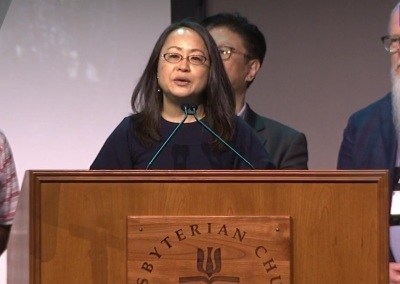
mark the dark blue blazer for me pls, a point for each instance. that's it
(369, 140)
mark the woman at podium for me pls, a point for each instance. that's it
(183, 112)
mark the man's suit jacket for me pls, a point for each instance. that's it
(369, 140)
(286, 146)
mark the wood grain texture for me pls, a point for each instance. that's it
(188, 249)
(75, 231)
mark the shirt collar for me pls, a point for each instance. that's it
(242, 112)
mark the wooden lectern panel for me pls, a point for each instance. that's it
(209, 249)
(70, 226)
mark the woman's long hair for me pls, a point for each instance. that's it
(218, 97)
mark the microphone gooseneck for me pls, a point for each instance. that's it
(192, 110)
(167, 140)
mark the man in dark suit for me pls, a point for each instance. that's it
(242, 47)
(370, 139)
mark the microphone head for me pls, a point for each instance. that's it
(189, 108)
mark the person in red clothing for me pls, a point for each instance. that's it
(9, 191)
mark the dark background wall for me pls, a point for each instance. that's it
(4, 5)
(180, 9)
(324, 61)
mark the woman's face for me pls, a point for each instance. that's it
(186, 79)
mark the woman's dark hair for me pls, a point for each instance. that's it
(218, 97)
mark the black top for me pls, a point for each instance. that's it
(189, 148)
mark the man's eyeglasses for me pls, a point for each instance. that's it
(391, 43)
(192, 59)
(226, 52)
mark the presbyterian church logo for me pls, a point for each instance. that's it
(208, 250)
(210, 267)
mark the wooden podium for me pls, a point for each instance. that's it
(71, 226)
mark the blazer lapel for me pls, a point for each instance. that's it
(388, 132)
(256, 123)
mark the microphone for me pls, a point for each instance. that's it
(166, 141)
(192, 110)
